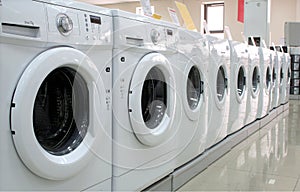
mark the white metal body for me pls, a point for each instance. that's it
(288, 78)
(277, 62)
(31, 47)
(193, 54)
(145, 99)
(219, 90)
(266, 82)
(255, 79)
(238, 85)
(284, 78)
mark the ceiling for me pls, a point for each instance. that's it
(104, 2)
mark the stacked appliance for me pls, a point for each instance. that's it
(145, 99)
(55, 96)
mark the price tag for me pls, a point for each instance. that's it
(186, 16)
(173, 15)
(146, 7)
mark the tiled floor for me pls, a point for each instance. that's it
(269, 160)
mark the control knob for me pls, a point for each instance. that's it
(64, 24)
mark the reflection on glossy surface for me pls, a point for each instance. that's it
(269, 160)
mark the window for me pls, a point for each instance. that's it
(214, 16)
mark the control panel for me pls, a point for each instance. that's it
(78, 27)
(161, 37)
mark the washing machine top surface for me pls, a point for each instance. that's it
(189, 42)
(77, 5)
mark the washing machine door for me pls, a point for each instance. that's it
(193, 86)
(241, 83)
(54, 125)
(255, 81)
(152, 100)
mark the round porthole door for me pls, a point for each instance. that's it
(221, 86)
(281, 77)
(268, 79)
(53, 118)
(152, 100)
(193, 89)
(255, 81)
(274, 76)
(241, 83)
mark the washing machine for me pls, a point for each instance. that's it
(55, 96)
(238, 85)
(191, 68)
(144, 101)
(218, 90)
(253, 84)
(284, 78)
(287, 79)
(276, 66)
(265, 66)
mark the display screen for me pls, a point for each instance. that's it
(169, 32)
(95, 19)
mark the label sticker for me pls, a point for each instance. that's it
(173, 15)
(146, 7)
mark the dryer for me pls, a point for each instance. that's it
(265, 64)
(238, 86)
(55, 96)
(145, 99)
(191, 68)
(254, 81)
(218, 90)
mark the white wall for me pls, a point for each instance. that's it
(281, 11)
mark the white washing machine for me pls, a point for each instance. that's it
(265, 64)
(144, 123)
(238, 85)
(275, 79)
(191, 68)
(55, 96)
(218, 90)
(287, 78)
(284, 78)
(253, 84)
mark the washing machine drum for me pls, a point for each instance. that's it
(268, 78)
(53, 128)
(221, 84)
(255, 79)
(61, 111)
(154, 98)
